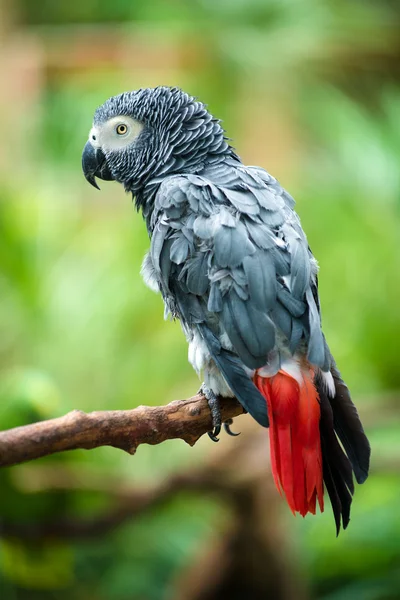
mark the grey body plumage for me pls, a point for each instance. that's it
(227, 249)
(222, 267)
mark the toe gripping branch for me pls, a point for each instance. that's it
(215, 410)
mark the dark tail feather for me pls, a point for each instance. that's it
(339, 418)
(236, 377)
(337, 470)
(339, 494)
(349, 428)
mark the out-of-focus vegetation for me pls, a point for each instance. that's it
(311, 91)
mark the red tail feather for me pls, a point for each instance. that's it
(295, 443)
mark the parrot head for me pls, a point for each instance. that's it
(150, 133)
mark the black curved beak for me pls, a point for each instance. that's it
(94, 165)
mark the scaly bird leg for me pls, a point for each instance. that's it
(213, 404)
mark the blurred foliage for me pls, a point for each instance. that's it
(80, 330)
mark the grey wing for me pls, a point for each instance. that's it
(280, 275)
(188, 251)
(234, 263)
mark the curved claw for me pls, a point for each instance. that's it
(227, 427)
(213, 434)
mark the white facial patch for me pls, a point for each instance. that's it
(115, 134)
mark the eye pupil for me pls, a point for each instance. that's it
(122, 129)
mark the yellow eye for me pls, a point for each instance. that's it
(121, 129)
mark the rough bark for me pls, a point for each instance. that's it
(125, 429)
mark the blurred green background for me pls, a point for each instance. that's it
(308, 89)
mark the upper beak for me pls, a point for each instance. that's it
(94, 164)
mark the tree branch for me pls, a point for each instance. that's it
(125, 429)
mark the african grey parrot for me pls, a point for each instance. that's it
(232, 263)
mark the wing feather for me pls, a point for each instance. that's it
(237, 261)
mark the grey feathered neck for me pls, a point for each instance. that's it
(180, 136)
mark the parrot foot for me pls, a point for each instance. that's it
(213, 404)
